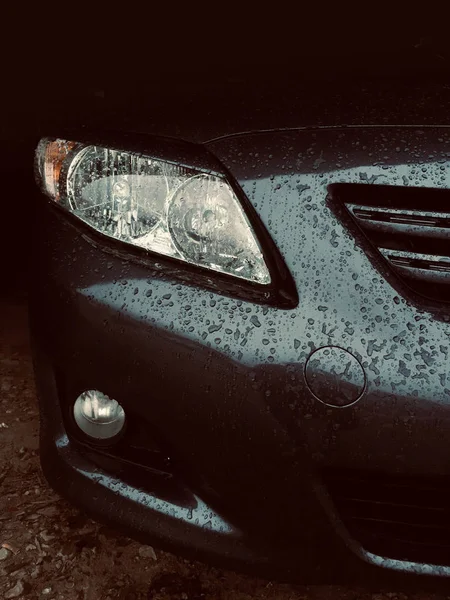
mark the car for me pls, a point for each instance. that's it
(239, 316)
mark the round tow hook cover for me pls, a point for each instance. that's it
(335, 376)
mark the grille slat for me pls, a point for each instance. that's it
(415, 516)
(399, 517)
(409, 228)
(392, 524)
(393, 221)
(423, 267)
(386, 503)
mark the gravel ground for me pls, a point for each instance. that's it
(48, 550)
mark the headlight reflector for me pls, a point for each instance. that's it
(159, 206)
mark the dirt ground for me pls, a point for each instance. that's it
(48, 550)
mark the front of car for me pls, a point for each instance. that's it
(240, 332)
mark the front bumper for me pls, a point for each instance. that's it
(221, 382)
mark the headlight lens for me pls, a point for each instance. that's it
(156, 205)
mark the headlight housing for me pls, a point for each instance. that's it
(162, 207)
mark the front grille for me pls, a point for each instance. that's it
(409, 228)
(401, 517)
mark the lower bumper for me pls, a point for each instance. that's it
(198, 532)
(254, 499)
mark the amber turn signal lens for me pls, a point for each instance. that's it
(55, 153)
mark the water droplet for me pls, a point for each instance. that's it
(255, 321)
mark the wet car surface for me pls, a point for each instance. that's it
(280, 429)
(51, 549)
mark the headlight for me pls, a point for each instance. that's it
(156, 205)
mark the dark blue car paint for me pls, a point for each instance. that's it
(222, 379)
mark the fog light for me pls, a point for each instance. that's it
(98, 416)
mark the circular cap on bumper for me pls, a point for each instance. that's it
(335, 376)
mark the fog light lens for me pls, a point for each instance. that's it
(98, 416)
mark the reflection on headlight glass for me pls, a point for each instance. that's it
(159, 206)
